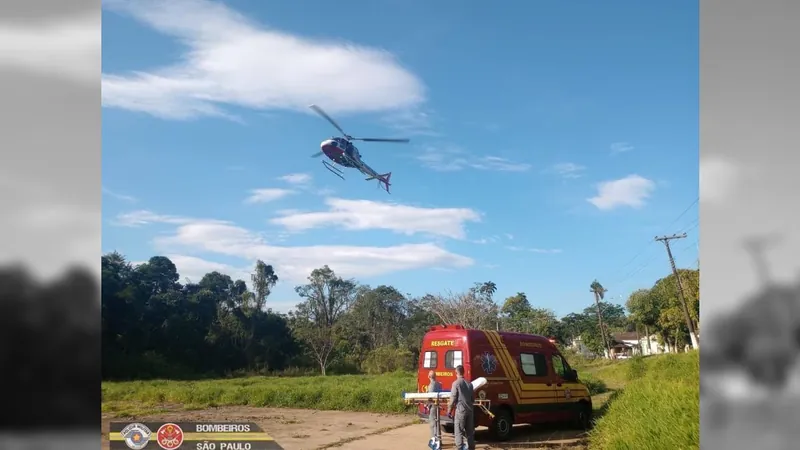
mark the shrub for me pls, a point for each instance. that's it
(594, 385)
(636, 368)
(388, 359)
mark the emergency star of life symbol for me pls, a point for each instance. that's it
(567, 394)
(169, 436)
(488, 363)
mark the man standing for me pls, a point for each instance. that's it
(461, 400)
(433, 416)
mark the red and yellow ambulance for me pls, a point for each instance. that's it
(528, 380)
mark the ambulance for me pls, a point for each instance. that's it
(528, 380)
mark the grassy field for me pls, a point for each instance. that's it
(364, 393)
(655, 404)
(367, 393)
(643, 403)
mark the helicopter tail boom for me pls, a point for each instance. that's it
(383, 179)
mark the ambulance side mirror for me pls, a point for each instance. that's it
(572, 375)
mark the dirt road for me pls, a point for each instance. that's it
(317, 430)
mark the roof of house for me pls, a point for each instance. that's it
(626, 336)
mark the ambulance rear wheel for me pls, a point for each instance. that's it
(502, 425)
(449, 428)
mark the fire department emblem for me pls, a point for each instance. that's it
(488, 363)
(567, 394)
(169, 436)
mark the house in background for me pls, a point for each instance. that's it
(623, 345)
(630, 343)
(578, 345)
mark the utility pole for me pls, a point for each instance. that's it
(692, 333)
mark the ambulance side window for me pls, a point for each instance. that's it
(559, 366)
(430, 360)
(452, 359)
(533, 364)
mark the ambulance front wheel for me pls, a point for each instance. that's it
(584, 418)
(449, 428)
(501, 425)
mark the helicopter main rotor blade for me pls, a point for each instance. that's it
(380, 140)
(317, 155)
(322, 113)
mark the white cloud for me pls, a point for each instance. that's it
(232, 60)
(718, 178)
(296, 178)
(411, 122)
(195, 268)
(631, 191)
(267, 195)
(451, 159)
(366, 215)
(488, 240)
(67, 46)
(295, 263)
(546, 250)
(144, 217)
(620, 147)
(568, 170)
(118, 196)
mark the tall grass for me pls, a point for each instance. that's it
(381, 393)
(658, 408)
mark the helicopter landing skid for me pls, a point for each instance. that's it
(335, 170)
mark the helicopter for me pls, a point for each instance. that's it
(342, 152)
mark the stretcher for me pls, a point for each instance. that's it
(437, 400)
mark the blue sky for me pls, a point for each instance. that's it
(549, 142)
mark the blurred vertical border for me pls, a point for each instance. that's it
(750, 285)
(50, 198)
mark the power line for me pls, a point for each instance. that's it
(649, 243)
(684, 212)
(632, 273)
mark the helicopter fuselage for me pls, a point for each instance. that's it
(341, 151)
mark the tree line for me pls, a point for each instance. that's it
(155, 326)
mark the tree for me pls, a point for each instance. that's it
(515, 306)
(326, 298)
(152, 326)
(473, 309)
(263, 279)
(571, 326)
(599, 293)
(645, 309)
(672, 323)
